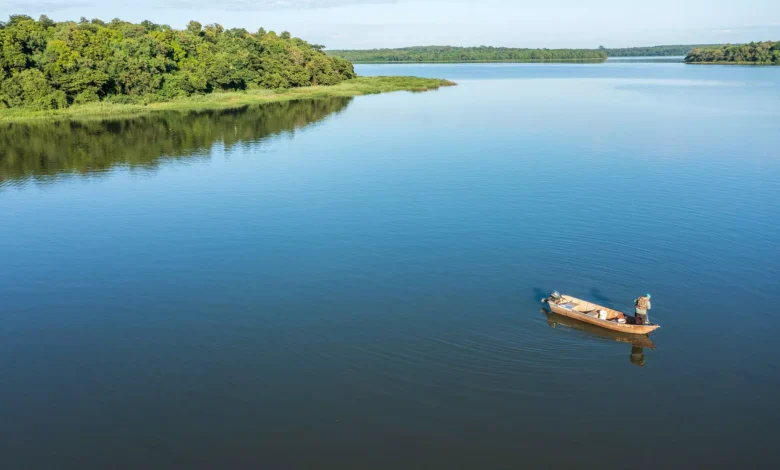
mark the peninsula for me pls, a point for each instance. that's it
(93, 68)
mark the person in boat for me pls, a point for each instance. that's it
(641, 306)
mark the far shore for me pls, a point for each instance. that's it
(509, 61)
(354, 87)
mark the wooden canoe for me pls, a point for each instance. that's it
(587, 312)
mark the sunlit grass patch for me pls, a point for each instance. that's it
(354, 87)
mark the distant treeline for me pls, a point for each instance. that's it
(766, 53)
(50, 65)
(465, 54)
(483, 53)
(653, 51)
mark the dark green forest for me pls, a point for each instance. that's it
(653, 51)
(50, 65)
(45, 150)
(764, 53)
(464, 54)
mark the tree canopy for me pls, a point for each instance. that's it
(50, 65)
(766, 53)
(464, 54)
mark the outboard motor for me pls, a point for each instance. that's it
(554, 296)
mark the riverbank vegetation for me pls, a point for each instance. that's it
(759, 53)
(222, 100)
(465, 54)
(653, 51)
(46, 65)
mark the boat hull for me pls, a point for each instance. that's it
(610, 325)
(553, 319)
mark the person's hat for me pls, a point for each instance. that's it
(648, 296)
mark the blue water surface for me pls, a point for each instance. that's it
(358, 286)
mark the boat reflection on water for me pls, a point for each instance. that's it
(637, 342)
(637, 356)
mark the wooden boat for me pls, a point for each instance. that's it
(588, 312)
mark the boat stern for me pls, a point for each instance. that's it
(554, 295)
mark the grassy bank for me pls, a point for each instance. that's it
(353, 87)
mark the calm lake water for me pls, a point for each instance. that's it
(355, 283)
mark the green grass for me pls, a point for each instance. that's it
(354, 87)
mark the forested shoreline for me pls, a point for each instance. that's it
(49, 65)
(488, 54)
(465, 54)
(759, 53)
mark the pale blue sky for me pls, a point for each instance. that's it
(394, 23)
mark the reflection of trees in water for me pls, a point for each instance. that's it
(46, 149)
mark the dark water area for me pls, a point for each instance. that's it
(356, 283)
